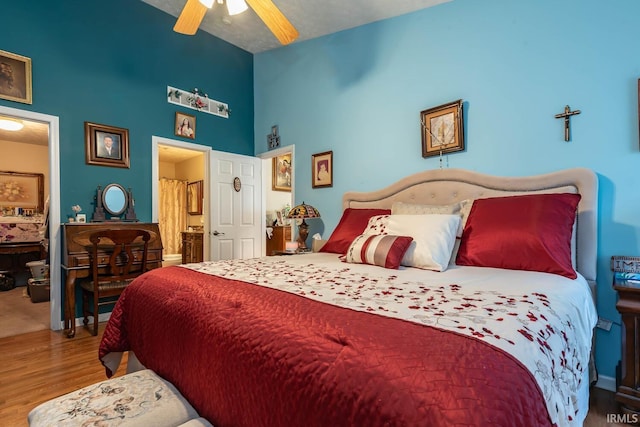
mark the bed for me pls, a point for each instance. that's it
(449, 297)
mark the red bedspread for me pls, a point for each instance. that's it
(245, 355)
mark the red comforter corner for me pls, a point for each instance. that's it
(245, 355)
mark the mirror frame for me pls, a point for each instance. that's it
(194, 197)
(125, 194)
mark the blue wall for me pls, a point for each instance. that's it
(514, 63)
(110, 62)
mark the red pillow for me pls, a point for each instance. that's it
(351, 225)
(382, 250)
(531, 232)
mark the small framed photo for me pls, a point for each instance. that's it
(442, 129)
(106, 145)
(81, 218)
(15, 77)
(185, 125)
(322, 170)
(281, 174)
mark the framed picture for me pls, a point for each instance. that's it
(15, 77)
(322, 170)
(442, 129)
(106, 145)
(21, 190)
(185, 125)
(194, 198)
(282, 167)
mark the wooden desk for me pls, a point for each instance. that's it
(76, 259)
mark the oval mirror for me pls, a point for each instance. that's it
(114, 199)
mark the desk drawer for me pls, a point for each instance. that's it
(84, 259)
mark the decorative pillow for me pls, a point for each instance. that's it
(462, 208)
(377, 225)
(351, 225)
(433, 238)
(530, 232)
(381, 250)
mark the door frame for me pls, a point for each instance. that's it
(266, 183)
(156, 141)
(55, 273)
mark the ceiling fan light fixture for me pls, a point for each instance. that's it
(11, 124)
(236, 6)
(207, 3)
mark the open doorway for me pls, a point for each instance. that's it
(48, 128)
(180, 196)
(278, 197)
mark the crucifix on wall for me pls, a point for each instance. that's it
(567, 124)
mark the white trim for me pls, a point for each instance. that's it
(155, 177)
(54, 208)
(606, 383)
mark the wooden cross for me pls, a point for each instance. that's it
(567, 125)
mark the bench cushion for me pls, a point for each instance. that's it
(140, 398)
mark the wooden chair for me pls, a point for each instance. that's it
(117, 257)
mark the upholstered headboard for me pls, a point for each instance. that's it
(446, 186)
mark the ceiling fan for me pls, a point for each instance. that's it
(194, 10)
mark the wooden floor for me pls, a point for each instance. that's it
(38, 366)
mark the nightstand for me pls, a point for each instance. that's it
(278, 241)
(625, 269)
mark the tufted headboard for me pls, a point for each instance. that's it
(446, 186)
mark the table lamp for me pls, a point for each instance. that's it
(303, 211)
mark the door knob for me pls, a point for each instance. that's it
(217, 233)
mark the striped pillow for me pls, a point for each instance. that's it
(381, 250)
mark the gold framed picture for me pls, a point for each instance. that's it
(322, 170)
(106, 145)
(15, 77)
(442, 129)
(22, 190)
(281, 174)
(185, 125)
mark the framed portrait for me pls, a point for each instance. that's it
(194, 197)
(442, 129)
(22, 190)
(282, 168)
(185, 125)
(106, 145)
(15, 77)
(322, 170)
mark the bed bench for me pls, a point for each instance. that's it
(140, 398)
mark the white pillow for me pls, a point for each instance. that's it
(461, 208)
(433, 238)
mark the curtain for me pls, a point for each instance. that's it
(172, 214)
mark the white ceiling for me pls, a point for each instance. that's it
(312, 18)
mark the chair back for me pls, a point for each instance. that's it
(122, 263)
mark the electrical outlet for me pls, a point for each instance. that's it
(604, 324)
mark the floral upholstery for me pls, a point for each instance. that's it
(137, 399)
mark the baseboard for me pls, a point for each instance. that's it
(606, 383)
(102, 317)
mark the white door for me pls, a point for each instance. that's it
(235, 206)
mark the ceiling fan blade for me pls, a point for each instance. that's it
(279, 25)
(190, 18)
